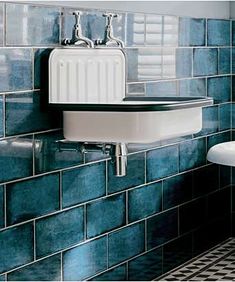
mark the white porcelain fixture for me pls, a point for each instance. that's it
(223, 153)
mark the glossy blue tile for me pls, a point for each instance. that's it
(146, 267)
(157, 160)
(218, 138)
(161, 88)
(192, 87)
(59, 231)
(24, 114)
(126, 243)
(134, 176)
(225, 116)
(192, 32)
(2, 207)
(210, 123)
(106, 214)
(48, 155)
(219, 88)
(32, 198)
(3, 277)
(83, 184)
(16, 158)
(224, 63)
(115, 274)
(16, 71)
(177, 190)
(16, 247)
(218, 32)
(38, 31)
(184, 62)
(144, 201)
(48, 269)
(192, 154)
(162, 228)
(86, 260)
(205, 61)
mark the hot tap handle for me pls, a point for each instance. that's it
(109, 17)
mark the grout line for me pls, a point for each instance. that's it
(107, 251)
(60, 191)
(61, 267)
(33, 155)
(145, 235)
(34, 240)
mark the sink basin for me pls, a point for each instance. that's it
(223, 153)
(134, 120)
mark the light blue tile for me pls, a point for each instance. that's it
(192, 87)
(48, 269)
(16, 69)
(36, 31)
(32, 198)
(210, 122)
(205, 61)
(144, 201)
(57, 232)
(132, 64)
(217, 138)
(115, 274)
(161, 89)
(225, 117)
(192, 154)
(16, 247)
(192, 32)
(106, 214)
(1, 24)
(83, 184)
(24, 114)
(219, 88)
(157, 160)
(224, 64)
(135, 29)
(134, 176)
(218, 32)
(86, 260)
(184, 62)
(126, 243)
(137, 89)
(16, 158)
(2, 207)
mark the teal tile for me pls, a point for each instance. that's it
(192, 32)
(219, 88)
(205, 61)
(218, 32)
(115, 274)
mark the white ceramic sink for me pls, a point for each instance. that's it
(223, 153)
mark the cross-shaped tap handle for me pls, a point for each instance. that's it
(109, 17)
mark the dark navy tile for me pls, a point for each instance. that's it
(205, 180)
(2, 207)
(210, 123)
(106, 214)
(16, 247)
(162, 228)
(219, 88)
(192, 87)
(192, 215)
(24, 114)
(224, 64)
(126, 243)
(205, 61)
(146, 267)
(1, 24)
(59, 231)
(32, 198)
(225, 117)
(134, 176)
(162, 88)
(218, 138)
(37, 31)
(192, 32)
(115, 274)
(218, 32)
(83, 184)
(135, 29)
(49, 156)
(48, 269)
(184, 62)
(177, 252)
(85, 260)
(16, 65)
(192, 154)
(157, 160)
(144, 201)
(16, 158)
(177, 190)
(225, 176)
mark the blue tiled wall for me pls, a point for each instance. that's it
(65, 216)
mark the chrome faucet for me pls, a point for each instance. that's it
(77, 37)
(109, 38)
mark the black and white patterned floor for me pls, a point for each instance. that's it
(216, 265)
